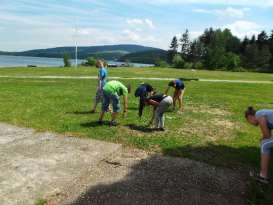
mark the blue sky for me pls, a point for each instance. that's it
(31, 24)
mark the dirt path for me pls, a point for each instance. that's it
(136, 78)
(67, 170)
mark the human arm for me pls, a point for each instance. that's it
(125, 105)
(167, 90)
(266, 133)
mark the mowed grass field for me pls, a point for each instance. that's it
(212, 128)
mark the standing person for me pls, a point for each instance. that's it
(263, 119)
(178, 94)
(160, 103)
(102, 78)
(111, 94)
(143, 91)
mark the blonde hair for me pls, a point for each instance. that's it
(99, 64)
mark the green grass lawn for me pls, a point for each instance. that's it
(212, 129)
(139, 72)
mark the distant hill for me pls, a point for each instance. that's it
(148, 57)
(108, 52)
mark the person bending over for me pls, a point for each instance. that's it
(263, 119)
(160, 103)
(143, 91)
(179, 90)
(111, 94)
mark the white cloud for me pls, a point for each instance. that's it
(244, 28)
(149, 23)
(140, 22)
(227, 12)
(134, 21)
(131, 35)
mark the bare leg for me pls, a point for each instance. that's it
(114, 116)
(265, 160)
(101, 116)
(94, 107)
(174, 99)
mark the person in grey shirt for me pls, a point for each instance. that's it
(263, 119)
(160, 103)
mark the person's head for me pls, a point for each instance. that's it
(250, 116)
(171, 83)
(149, 88)
(99, 64)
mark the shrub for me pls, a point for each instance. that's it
(178, 61)
(90, 61)
(66, 60)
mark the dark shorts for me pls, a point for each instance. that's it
(107, 99)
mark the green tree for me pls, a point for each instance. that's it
(178, 61)
(262, 39)
(90, 61)
(232, 61)
(173, 49)
(185, 44)
(66, 60)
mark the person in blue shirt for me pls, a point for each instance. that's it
(102, 79)
(178, 94)
(264, 120)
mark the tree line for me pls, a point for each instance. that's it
(220, 49)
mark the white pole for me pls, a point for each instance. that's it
(76, 45)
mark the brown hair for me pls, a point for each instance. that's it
(99, 63)
(250, 112)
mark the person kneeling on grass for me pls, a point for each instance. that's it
(111, 93)
(160, 103)
(178, 94)
(143, 91)
(102, 78)
(263, 119)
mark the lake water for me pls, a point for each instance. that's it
(23, 61)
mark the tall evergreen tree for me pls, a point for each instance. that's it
(185, 44)
(173, 49)
(262, 39)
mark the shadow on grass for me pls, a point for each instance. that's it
(95, 124)
(159, 180)
(140, 128)
(81, 112)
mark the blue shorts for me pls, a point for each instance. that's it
(267, 146)
(107, 99)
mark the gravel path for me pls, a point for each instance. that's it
(75, 171)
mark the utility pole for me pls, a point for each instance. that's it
(76, 44)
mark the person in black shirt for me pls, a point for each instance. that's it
(143, 91)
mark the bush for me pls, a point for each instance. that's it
(66, 60)
(90, 61)
(188, 65)
(198, 65)
(232, 61)
(161, 63)
(178, 61)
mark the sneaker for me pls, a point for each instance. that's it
(161, 129)
(259, 178)
(113, 123)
